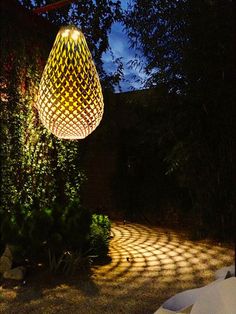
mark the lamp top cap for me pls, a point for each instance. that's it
(72, 32)
(70, 27)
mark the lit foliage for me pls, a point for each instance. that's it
(37, 170)
(34, 161)
(100, 234)
(70, 101)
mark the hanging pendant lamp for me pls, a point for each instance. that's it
(70, 101)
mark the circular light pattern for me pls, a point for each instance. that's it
(147, 266)
(140, 253)
(70, 101)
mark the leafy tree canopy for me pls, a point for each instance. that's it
(183, 41)
(188, 48)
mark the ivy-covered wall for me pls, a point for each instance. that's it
(37, 170)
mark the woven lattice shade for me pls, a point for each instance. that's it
(70, 101)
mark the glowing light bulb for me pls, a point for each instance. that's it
(75, 35)
(65, 33)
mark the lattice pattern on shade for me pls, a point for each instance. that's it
(70, 101)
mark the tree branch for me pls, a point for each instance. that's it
(52, 6)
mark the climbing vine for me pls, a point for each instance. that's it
(38, 171)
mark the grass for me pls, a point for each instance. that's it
(147, 266)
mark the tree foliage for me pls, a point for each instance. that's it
(95, 19)
(188, 46)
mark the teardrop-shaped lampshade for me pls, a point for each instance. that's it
(70, 101)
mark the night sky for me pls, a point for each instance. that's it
(120, 47)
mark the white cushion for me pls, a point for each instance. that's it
(218, 299)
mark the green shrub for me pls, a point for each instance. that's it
(9, 230)
(100, 235)
(33, 231)
(76, 222)
(69, 262)
(71, 234)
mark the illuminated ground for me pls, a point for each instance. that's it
(148, 266)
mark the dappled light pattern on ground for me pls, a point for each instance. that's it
(148, 265)
(142, 252)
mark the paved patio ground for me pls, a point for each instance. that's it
(148, 265)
